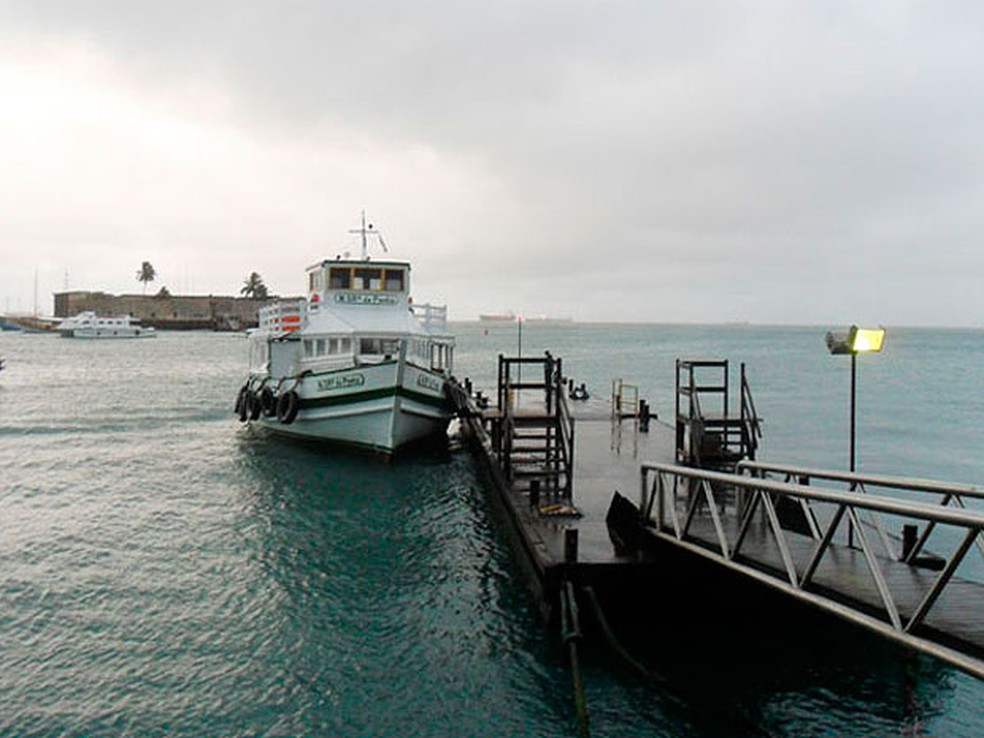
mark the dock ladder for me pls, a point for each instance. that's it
(534, 437)
(707, 435)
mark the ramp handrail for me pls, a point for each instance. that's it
(661, 483)
(950, 492)
(751, 423)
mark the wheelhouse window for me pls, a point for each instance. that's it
(366, 279)
(394, 280)
(316, 281)
(339, 278)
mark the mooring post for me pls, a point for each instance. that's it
(570, 545)
(570, 626)
(534, 492)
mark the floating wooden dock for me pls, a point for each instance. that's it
(597, 500)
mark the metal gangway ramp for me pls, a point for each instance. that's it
(829, 548)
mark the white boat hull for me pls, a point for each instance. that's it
(109, 333)
(88, 324)
(381, 407)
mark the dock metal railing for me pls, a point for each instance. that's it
(944, 494)
(674, 497)
(625, 399)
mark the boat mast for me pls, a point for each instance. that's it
(364, 233)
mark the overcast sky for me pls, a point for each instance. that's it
(709, 160)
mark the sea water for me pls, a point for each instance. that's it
(168, 571)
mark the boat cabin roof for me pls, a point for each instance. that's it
(358, 263)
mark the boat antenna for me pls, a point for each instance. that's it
(366, 231)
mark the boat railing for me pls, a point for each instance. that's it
(283, 317)
(433, 317)
(699, 510)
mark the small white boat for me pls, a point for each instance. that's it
(88, 324)
(356, 362)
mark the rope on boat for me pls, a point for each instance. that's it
(571, 634)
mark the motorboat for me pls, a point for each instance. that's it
(88, 324)
(355, 362)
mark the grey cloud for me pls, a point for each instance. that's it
(711, 141)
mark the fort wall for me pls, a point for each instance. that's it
(178, 312)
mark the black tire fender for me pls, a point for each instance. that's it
(268, 402)
(287, 406)
(240, 408)
(255, 406)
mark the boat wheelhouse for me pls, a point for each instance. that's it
(356, 362)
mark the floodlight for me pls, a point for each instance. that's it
(855, 340)
(867, 339)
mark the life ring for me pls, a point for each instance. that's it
(287, 407)
(268, 402)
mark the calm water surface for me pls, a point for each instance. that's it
(165, 570)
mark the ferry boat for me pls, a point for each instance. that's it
(88, 324)
(506, 317)
(356, 362)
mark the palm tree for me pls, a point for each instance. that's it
(146, 274)
(254, 287)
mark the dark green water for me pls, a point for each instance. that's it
(167, 571)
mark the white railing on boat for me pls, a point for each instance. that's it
(433, 317)
(283, 317)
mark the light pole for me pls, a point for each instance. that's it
(854, 341)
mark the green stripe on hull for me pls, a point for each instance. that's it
(376, 394)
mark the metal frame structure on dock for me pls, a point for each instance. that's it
(534, 441)
(707, 434)
(735, 521)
